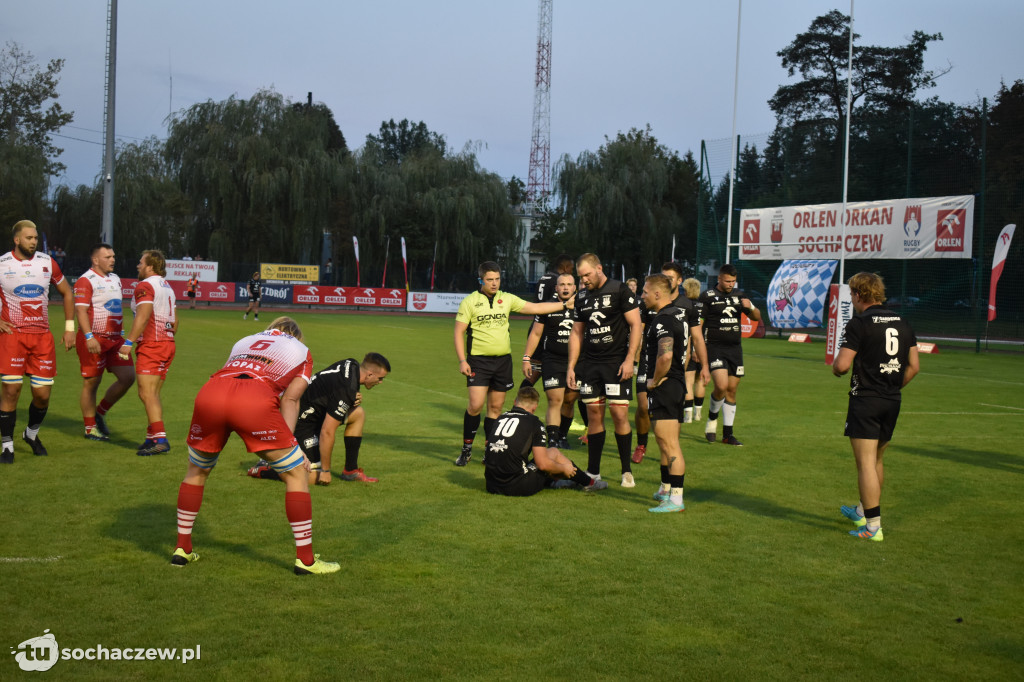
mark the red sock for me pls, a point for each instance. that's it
(104, 407)
(90, 422)
(190, 498)
(156, 430)
(299, 509)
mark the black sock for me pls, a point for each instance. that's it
(665, 478)
(583, 412)
(698, 401)
(269, 474)
(470, 423)
(641, 438)
(565, 425)
(624, 441)
(581, 477)
(35, 416)
(726, 431)
(488, 425)
(873, 513)
(687, 404)
(553, 435)
(677, 481)
(595, 444)
(7, 420)
(352, 444)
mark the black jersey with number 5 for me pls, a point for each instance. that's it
(882, 340)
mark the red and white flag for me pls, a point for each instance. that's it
(355, 245)
(405, 265)
(998, 260)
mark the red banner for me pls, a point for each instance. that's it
(355, 296)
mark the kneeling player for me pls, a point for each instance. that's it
(511, 439)
(333, 399)
(256, 395)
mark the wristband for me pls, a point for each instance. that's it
(69, 326)
(525, 358)
(129, 343)
(565, 305)
(88, 336)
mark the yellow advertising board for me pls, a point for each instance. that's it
(290, 273)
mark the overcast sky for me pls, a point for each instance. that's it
(466, 67)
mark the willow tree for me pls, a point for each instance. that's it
(626, 201)
(260, 175)
(430, 197)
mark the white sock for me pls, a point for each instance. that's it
(677, 496)
(728, 413)
(716, 407)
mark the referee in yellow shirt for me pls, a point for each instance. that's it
(484, 349)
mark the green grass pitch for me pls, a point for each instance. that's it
(758, 579)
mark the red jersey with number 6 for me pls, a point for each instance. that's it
(270, 356)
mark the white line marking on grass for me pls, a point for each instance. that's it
(389, 326)
(459, 398)
(28, 559)
(972, 378)
(961, 414)
(1005, 407)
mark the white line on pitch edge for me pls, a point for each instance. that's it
(28, 559)
(1005, 407)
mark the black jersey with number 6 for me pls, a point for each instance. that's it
(331, 391)
(882, 340)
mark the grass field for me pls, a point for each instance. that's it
(758, 579)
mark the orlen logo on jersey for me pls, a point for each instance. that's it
(752, 235)
(220, 292)
(950, 230)
(29, 291)
(419, 301)
(113, 306)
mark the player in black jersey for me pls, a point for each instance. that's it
(881, 348)
(674, 273)
(511, 439)
(333, 399)
(253, 285)
(666, 344)
(720, 326)
(549, 334)
(695, 389)
(605, 337)
(563, 265)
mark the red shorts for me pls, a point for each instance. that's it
(154, 357)
(33, 354)
(248, 407)
(93, 364)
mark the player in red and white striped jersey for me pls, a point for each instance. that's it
(98, 309)
(26, 344)
(256, 395)
(152, 332)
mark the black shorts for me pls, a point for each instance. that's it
(666, 400)
(492, 371)
(191, 294)
(641, 380)
(599, 380)
(528, 484)
(872, 418)
(726, 357)
(554, 370)
(310, 445)
(693, 364)
(254, 299)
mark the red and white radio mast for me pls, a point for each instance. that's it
(538, 184)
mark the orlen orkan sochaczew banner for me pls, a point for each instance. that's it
(937, 227)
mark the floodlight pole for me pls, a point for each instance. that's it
(846, 155)
(107, 225)
(732, 158)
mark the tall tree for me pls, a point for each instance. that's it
(397, 141)
(261, 174)
(29, 112)
(626, 201)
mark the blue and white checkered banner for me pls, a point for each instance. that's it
(797, 293)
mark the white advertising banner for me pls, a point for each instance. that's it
(431, 302)
(183, 269)
(936, 227)
(840, 310)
